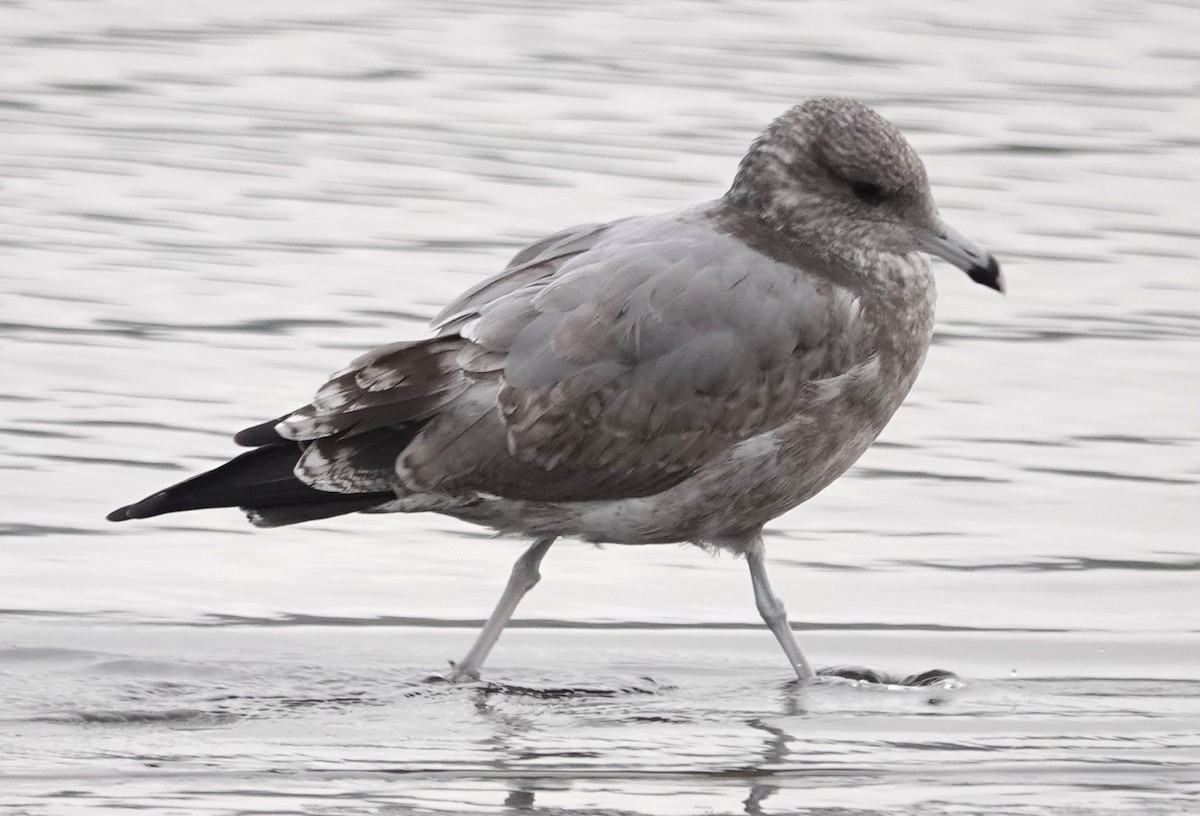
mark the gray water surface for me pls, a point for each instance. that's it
(206, 208)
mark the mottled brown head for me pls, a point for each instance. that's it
(837, 177)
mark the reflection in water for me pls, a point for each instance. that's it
(774, 753)
(709, 735)
(511, 733)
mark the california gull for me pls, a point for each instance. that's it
(683, 377)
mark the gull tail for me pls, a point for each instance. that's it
(263, 483)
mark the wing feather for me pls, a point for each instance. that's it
(651, 359)
(604, 362)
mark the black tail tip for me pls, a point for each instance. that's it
(262, 434)
(147, 507)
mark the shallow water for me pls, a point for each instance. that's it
(207, 208)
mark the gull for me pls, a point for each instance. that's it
(681, 377)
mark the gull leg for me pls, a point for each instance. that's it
(524, 577)
(772, 611)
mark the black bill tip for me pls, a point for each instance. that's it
(988, 274)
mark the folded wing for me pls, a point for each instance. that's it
(608, 363)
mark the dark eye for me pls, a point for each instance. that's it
(868, 192)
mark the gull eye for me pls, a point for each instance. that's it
(868, 192)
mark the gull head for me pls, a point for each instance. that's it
(837, 177)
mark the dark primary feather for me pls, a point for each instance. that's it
(262, 434)
(260, 480)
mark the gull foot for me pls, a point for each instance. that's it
(457, 674)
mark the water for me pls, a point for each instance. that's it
(208, 207)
